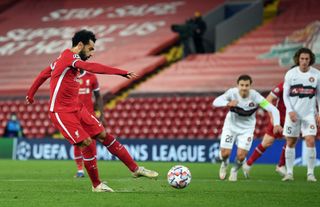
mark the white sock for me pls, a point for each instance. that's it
(238, 164)
(311, 159)
(225, 161)
(290, 157)
(220, 156)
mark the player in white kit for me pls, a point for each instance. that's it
(301, 91)
(240, 122)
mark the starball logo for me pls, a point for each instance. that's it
(23, 151)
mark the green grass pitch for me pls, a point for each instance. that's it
(51, 183)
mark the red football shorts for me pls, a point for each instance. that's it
(269, 131)
(76, 126)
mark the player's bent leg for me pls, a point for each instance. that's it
(117, 149)
(244, 144)
(70, 124)
(241, 156)
(267, 141)
(224, 156)
(90, 163)
(79, 157)
(290, 157)
(258, 151)
(311, 158)
(227, 140)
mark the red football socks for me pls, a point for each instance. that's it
(118, 150)
(282, 160)
(90, 163)
(78, 157)
(258, 151)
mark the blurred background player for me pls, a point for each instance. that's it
(72, 119)
(275, 96)
(89, 87)
(301, 91)
(240, 123)
(13, 128)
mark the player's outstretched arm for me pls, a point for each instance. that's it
(271, 98)
(220, 101)
(273, 110)
(103, 69)
(224, 100)
(40, 79)
(275, 115)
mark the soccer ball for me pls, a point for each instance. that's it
(179, 176)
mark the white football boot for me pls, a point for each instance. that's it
(288, 177)
(246, 170)
(281, 170)
(223, 170)
(233, 175)
(102, 187)
(145, 172)
(311, 178)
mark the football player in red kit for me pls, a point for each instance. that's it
(71, 117)
(276, 95)
(88, 86)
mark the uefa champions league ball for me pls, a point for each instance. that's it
(179, 176)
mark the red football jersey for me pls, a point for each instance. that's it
(64, 84)
(278, 93)
(88, 84)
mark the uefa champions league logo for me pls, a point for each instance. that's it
(213, 152)
(23, 151)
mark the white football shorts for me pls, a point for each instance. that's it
(242, 139)
(307, 126)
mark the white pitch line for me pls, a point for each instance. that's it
(31, 180)
(133, 179)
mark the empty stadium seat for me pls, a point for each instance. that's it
(181, 118)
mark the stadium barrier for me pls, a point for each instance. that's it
(141, 150)
(230, 21)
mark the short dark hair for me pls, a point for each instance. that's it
(304, 50)
(245, 78)
(83, 36)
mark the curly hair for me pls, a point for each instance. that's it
(304, 50)
(83, 36)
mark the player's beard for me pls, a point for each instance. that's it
(83, 55)
(244, 93)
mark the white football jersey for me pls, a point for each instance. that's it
(243, 116)
(300, 90)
